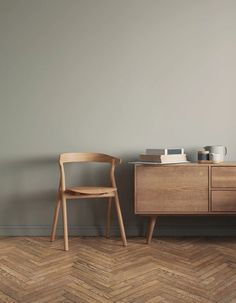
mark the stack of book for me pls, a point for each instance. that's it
(165, 155)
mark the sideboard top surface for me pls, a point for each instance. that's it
(187, 164)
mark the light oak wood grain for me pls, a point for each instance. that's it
(152, 223)
(184, 189)
(90, 190)
(224, 200)
(171, 189)
(108, 226)
(223, 176)
(86, 192)
(98, 270)
(88, 157)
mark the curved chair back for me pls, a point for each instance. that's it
(87, 157)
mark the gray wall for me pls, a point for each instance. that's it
(114, 77)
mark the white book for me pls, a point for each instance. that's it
(165, 151)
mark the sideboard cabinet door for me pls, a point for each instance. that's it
(171, 189)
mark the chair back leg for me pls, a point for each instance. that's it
(120, 219)
(65, 226)
(55, 218)
(108, 227)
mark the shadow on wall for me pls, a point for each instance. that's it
(27, 185)
(29, 189)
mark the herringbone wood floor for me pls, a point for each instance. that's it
(179, 270)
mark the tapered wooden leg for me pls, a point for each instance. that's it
(120, 220)
(65, 226)
(55, 218)
(108, 227)
(152, 222)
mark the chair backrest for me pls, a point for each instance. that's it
(87, 157)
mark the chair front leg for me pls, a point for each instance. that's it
(120, 220)
(55, 218)
(65, 226)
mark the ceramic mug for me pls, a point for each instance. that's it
(217, 149)
(216, 158)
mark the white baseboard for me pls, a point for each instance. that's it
(163, 230)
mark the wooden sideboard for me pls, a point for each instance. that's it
(184, 189)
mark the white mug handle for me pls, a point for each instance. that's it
(225, 150)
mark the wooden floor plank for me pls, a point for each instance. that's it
(98, 270)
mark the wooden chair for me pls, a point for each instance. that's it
(87, 192)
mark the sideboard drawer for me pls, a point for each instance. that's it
(176, 189)
(223, 200)
(223, 176)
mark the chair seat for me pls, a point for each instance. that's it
(90, 190)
